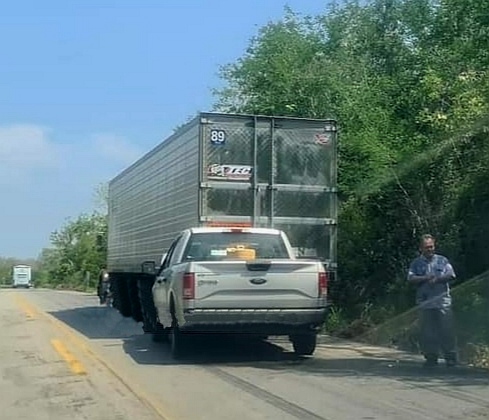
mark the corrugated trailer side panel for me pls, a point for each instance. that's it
(153, 200)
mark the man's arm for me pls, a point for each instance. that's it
(418, 279)
(447, 275)
(414, 278)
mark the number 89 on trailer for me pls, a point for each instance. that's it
(218, 137)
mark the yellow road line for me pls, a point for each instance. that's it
(83, 344)
(75, 365)
(29, 311)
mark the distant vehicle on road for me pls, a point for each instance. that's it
(22, 276)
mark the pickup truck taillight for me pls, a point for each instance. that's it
(189, 286)
(322, 285)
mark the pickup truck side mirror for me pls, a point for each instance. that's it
(148, 267)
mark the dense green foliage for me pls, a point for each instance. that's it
(78, 249)
(77, 254)
(408, 82)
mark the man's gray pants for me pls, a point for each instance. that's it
(438, 333)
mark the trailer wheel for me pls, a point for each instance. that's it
(121, 295)
(132, 287)
(304, 344)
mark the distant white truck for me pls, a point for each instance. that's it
(22, 276)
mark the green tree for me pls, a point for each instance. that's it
(78, 248)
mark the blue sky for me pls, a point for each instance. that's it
(86, 87)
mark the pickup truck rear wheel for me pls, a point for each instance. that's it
(304, 344)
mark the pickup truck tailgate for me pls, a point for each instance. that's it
(267, 284)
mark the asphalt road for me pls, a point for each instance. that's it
(62, 356)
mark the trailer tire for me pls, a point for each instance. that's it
(304, 344)
(132, 287)
(121, 295)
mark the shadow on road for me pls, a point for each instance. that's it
(205, 349)
(210, 349)
(98, 322)
(238, 351)
(403, 370)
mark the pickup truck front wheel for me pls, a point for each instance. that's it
(178, 341)
(151, 323)
(304, 344)
(160, 334)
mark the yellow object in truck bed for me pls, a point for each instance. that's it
(241, 253)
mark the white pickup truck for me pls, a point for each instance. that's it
(239, 280)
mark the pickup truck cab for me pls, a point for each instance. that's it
(239, 280)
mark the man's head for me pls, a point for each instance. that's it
(427, 246)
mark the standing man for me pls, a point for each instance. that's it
(432, 274)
